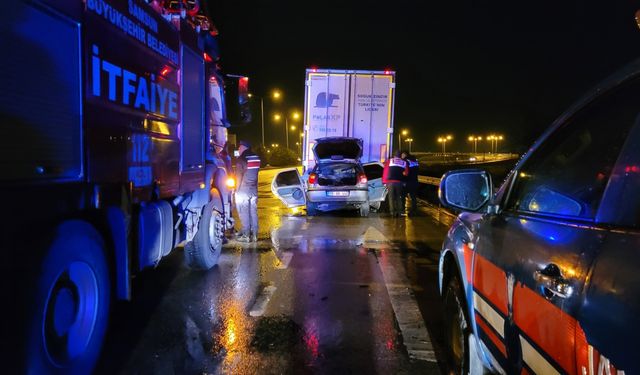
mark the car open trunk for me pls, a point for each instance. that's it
(337, 174)
(338, 148)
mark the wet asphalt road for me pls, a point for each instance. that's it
(334, 294)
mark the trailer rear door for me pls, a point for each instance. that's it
(371, 114)
(326, 112)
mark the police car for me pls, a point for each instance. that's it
(543, 275)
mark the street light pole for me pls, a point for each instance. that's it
(400, 134)
(286, 127)
(262, 116)
(409, 140)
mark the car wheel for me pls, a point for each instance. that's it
(375, 205)
(311, 209)
(69, 318)
(203, 252)
(456, 328)
(364, 210)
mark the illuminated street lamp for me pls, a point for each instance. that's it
(444, 140)
(494, 139)
(294, 116)
(474, 139)
(404, 132)
(275, 95)
(409, 140)
(500, 138)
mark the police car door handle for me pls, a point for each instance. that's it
(552, 283)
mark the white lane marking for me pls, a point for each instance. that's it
(534, 360)
(489, 314)
(260, 305)
(374, 239)
(414, 333)
(284, 260)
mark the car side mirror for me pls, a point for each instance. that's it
(465, 189)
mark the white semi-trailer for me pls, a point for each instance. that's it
(349, 103)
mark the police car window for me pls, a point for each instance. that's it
(567, 175)
(373, 171)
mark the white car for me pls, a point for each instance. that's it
(337, 181)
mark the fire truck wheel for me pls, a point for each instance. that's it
(456, 328)
(203, 252)
(70, 313)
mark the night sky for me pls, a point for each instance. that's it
(463, 67)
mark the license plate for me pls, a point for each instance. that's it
(338, 193)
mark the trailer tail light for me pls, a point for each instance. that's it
(313, 178)
(207, 58)
(362, 178)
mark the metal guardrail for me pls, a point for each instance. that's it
(429, 180)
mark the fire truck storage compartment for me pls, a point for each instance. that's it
(40, 102)
(192, 136)
(155, 232)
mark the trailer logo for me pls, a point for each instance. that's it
(325, 100)
(130, 89)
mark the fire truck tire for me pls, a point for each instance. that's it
(203, 252)
(69, 318)
(457, 330)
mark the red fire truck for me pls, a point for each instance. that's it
(114, 124)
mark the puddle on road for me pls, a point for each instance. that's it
(276, 334)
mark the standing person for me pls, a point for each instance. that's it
(403, 199)
(393, 175)
(411, 185)
(247, 167)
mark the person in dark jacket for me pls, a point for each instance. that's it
(247, 167)
(411, 183)
(394, 173)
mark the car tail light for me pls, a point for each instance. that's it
(313, 178)
(362, 178)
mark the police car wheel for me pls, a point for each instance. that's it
(70, 313)
(456, 328)
(203, 252)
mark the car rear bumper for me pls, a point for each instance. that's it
(324, 202)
